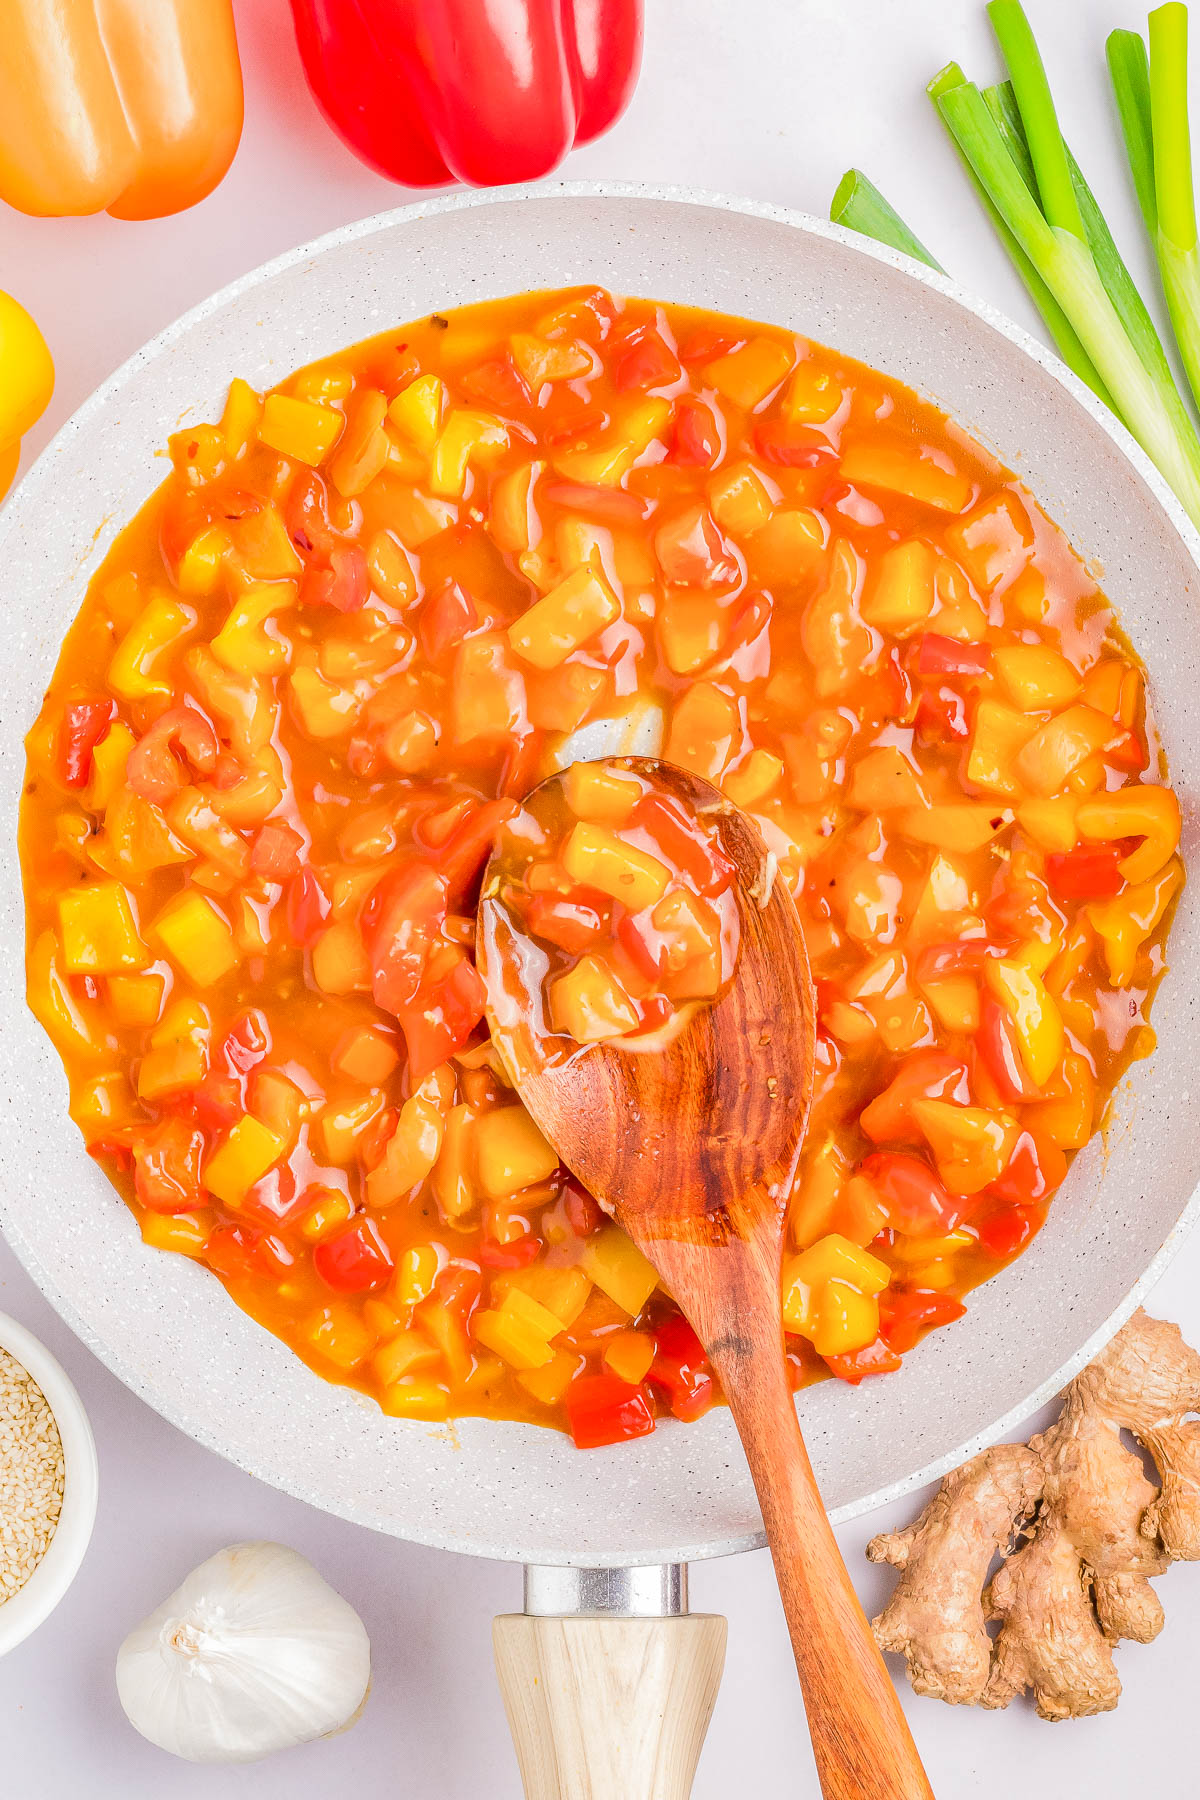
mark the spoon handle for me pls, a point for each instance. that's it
(861, 1741)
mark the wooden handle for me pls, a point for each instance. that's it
(861, 1741)
(608, 1708)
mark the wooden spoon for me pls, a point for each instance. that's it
(693, 1148)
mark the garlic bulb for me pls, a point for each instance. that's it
(253, 1652)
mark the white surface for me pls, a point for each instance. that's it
(773, 98)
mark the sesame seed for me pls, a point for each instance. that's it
(31, 1475)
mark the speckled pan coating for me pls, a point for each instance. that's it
(163, 1325)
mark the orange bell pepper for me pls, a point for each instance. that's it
(129, 106)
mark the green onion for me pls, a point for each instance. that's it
(1116, 337)
(859, 205)
(1151, 95)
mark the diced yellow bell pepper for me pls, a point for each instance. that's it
(239, 421)
(549, 1383)
(834, 1258)
(883, 780)
(956, 825)
(1067, 1119)
(299, 429)
(1142, 810)
(416, 1271)
(338, 1333)
(519, 1331)
(185, 1233)
(135, 999)
(788, 550)
(954, 1001)
(753, 779)
(746, 376)
(616, 1265)
(812, 396)
(466, 437)
(415, 1397)
(76, 1027)
(970, 1144)
(600, 795)
(633, 430)
(845, 1320)
(1038, 1022)
(323, 708)
(100, 1103)
(511, 520)
(363, 451)
(339, 1126)
(243, 643)
(455, 1177)
(919, 471)
(538, 360)
(705, 731)
(249, 1150)
(99, 930)
(1050, 823)
(997, 738)
(489, 692)
(331, 1211)
(900, 594)
(161, 625)
(511, 1152)
(340, 964)
(628, 1355)
(588, 1003)
(993, 541)
(1039, 678)
(562, 1292)
(1125, 922)
(191, 817)
(417, 411)
(927, 1249)
(201, 566)
(366, 1055)
(197, 938)
(738, 499)
(1059, 748)
(178, 1053)
(566, 617)
(813, 1202)
(401, 1355)
(596, 858)
(108, 765)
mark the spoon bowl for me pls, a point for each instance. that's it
(690, 1138)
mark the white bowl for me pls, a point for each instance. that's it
(33, 1603)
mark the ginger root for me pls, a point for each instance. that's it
(1079, 1528)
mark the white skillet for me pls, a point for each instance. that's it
(504, 1490)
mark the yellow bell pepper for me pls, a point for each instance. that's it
(1039, 1027)
(134, 106)
(1151, 813)
(970, 1145)
(1124, 923)
(26, 380)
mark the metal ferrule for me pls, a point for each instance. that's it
(657, 1591)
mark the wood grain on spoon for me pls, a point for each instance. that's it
(693, 1146)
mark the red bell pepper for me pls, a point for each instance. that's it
(601, 1409)
(680, 1369)
(354, 1259)
(84, 723)
(1089, 872)
(481, 91)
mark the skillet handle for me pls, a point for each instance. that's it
(609, 1708)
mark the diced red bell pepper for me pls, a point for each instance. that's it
(584, 1213)
(1088, 872)
(697, 856)
(232, 1252)
(692, 552)
(926, 1075)
(516, 1255)
(217, 1102)
(446, 618)
(84, 723)
(497, 383)
(401, 922)
(570, 925)
(469, 90)
(1036, 1168)
(615, 506)
(915, 1199)
(308, 909)
(353, 1260)
(166, 1167)
(879, 1358)
(996, 1042)
(695, 434)
(906, 1314)
(641, 944)
(646, 362)
(681, 1370)
(276, 852)
(792, 446)
(439, 1022)
(941, 717)
(375, 1139)
(246, 1043)
(1003, 1232)
(180, 743)
(344, 584)
(306, 515)
(705, 344)
(1129, 753)
(461, 858)
(937, 655)
(601, 1409)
